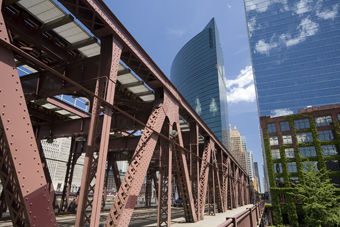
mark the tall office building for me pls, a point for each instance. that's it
(295, 53)
(198, 73)
(236, 148)
(257, 175)
(244, 143)
(250, 165)
(57, 153)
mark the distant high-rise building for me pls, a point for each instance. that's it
(57, 153)
(250, 164)
(236, 148)
(198, 73)
(257, 176)
(244, 143)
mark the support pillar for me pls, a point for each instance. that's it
(98, 138)
(21, 171)
(165, 177)
(203, 179)
(116, 176)
(217, 185)
(194, 148)
(211, 191)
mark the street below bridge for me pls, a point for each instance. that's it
(148, 217)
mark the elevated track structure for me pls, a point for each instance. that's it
(101, 62)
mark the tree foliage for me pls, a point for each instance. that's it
(320, 203)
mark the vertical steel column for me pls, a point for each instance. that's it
(217, 185)
(236, 187)
(242, 189)
(184, 183)
(155, 181)
(107, 172)
(66, 188)
(203, 179)
(3, 205)
(21, 171)
(116, 176)
(148, 189)
(98, 138)
(165, 176)
(194, 148)
(225, 183)
(122, 209)
(211, 191)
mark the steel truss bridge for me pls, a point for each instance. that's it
(126, 93)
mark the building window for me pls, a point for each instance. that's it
(284, 126)
(326, 135)
(289, 153)
(291, 167)
(273, 141)
(287, 139)
(304, 137)
(278, 167)
(323, 121)
(330, 150)
(276, 154)
(301, 124)
(339, 117)
(271, 127)
(333, 165)
(294, 180)
(304, 164)
(307, 151)
(280, 182)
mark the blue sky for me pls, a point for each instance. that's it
(163, 27)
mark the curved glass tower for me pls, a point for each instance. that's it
(198, 73)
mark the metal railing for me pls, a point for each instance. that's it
(251, 217)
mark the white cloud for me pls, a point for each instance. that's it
(262, 6)
(213, 107)
(242, 88)
(303, 6)
(328, 14)
(229, 6)
(281, 112)
(307, 28)
(263, 47)
(174, 32)
(198, 106)
(251, 25)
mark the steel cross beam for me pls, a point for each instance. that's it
(21, 170)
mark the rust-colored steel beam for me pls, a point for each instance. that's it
(155, 181)
(165, 179)
(68, 107)
(148, 189)
(116, 174)
(211, 192)
(203, 179)
(194, 148)
(127, 195)
(21, 170)
(225, 179)
(217, 185)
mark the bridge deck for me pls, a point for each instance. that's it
(148, 217)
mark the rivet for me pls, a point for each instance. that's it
(19, 163)
(40, 183)
(27, 191)
(3, 113)
(45, 195)
(30, 212)
(18, 171)
(4, 105)
(7, 120)
(23, 177)
(34, 216)
(16, 149)
(22, 185)
(37, 171)
(42, 176)
(34, 158)
(23, 117)
(15, 157)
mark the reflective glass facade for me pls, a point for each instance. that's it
(295, 49)
(198, 73)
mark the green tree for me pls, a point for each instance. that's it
(319, 200)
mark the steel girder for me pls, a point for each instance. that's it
(21, 169)
(217, 184)
(127, 195)
(98, 138)
(165, 180)
(203, 178)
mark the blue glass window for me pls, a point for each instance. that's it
(301, 124)
(284, 126)
(273, 141)
(287, 139)
(326, 135)
(278, 167)
(307, 151)
(291, 167)
(304, 137)
(323, 121)
(289, 153)
(330, 150)
(276, 154)
(271, 127)
(314, 163)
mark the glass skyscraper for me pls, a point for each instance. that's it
(295, 50)
(198, 73)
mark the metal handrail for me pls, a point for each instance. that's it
(246, 218)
